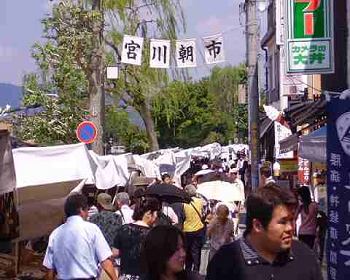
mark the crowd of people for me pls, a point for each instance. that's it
(143, 237)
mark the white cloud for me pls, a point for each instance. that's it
(211, 25)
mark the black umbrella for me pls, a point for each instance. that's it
(168, 193)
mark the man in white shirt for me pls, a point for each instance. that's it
(233, 174)
(123, 202)
(77, 247)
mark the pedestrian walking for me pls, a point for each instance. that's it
(77, 247)
(234, 179)
(308, 214)
(267, 249)
(124, 210)
(130, 237)
(266, 176)
(320, 195)
(220, 230)
(106, 219)
(194, 229)
(166, 179)
(164, 254)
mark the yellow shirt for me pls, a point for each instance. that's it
(192, 220)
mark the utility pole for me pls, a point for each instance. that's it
(96, 81)
(252, 37)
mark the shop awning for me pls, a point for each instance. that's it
(290, 143)
(306, 112)
(265, 125)
(314, 146)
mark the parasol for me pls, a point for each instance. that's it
(220, 190)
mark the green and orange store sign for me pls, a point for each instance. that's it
(310, 36)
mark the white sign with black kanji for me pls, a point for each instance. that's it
(214, 49)
(132, 50)
(159, 53)
(186, 53)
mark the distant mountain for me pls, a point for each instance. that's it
(10, 94)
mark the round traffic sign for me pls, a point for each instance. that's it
(86, 132)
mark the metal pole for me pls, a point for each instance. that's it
(252, 37)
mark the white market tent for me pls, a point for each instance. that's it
(46, 175)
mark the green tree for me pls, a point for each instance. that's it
(223, 87)
(186, 116)
(62, 86)
(129, 135)
(73, 32)
(139, 85)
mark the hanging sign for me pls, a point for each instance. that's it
(338, 189)
(159, 53)
(186, 53)
(86, 132)
(310, 46)
(112, 73)
(214, 49)
(281, 133)
(132, 50)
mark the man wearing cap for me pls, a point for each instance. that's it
(106, 219)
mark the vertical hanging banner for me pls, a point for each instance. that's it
(186, 53)
(159, 53)
(338, 189)
(132, 50)
(281, 133)
(214, 49)
(310, 43)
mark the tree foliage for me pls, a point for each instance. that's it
(138, 85)
(199, 113)
(62, 87)
(119, 125)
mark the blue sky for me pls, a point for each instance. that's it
(20, 28)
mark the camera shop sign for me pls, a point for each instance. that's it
(310, 37)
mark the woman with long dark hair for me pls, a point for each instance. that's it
(164, 254)
(130, 237)
(308, 212)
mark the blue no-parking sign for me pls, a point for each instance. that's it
(86, 132)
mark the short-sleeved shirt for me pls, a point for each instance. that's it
(192, 217)
(239, 261)
(129, 241)
(109, 222)
(126, 214)
(75, 249)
